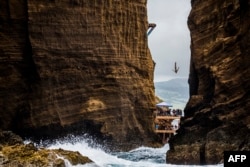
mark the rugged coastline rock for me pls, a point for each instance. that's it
(216, 117)
(29, 155)
(13, 152)
(76, 66)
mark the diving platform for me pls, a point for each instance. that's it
(166, 121)
(168, 117)
(163, 124)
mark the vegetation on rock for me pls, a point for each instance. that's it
(20, 154)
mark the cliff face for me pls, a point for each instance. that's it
(76, 64)
(217, 114)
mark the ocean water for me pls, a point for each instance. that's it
(174, 91)
(139, 157)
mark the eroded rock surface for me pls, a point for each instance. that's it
(76, 66)
(217, 114)
(13, 152)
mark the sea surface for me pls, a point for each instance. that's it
(139, 157)
(174, 91)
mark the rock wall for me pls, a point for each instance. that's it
(76, 65)
(217, 114)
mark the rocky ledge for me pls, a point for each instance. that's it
(13, 152)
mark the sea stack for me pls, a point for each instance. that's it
(217, 114)
(77, 65)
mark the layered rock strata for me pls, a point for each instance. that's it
(217, 115)
(76, 65)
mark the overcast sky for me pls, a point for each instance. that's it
(170, 40)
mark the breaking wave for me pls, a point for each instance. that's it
(140, 157)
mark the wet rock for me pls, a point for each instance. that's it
(73, 157)
(13, 152)
(9, 138)
(59, 163)
(25, 155)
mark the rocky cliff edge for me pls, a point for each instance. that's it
(76, 66)
(217, 115)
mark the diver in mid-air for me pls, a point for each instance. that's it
(176, 69)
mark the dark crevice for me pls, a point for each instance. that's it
(30, 72)
(8, 9)
(243, 5)
(210, 87)
(202, 155)
(193, 80)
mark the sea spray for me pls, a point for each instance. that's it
(139, 157)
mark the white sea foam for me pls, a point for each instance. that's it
(140, 157)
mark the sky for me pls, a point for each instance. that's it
(170, 40)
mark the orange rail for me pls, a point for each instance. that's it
(168, 117)
(165, 131)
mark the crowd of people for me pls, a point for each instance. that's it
(169, 124)
(167, 111)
